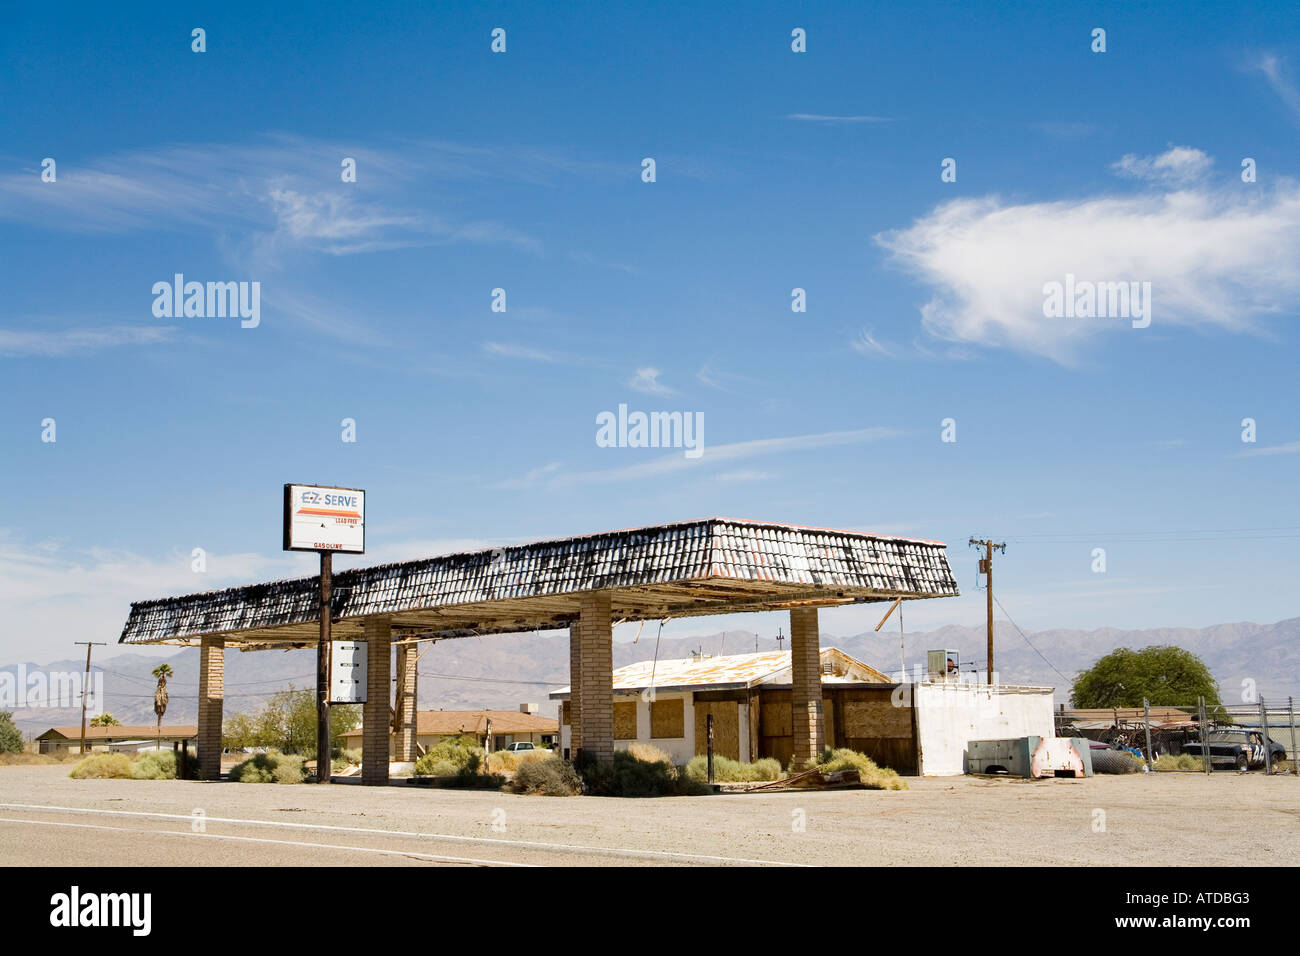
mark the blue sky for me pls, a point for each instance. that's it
(775, 170)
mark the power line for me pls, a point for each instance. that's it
(493, 680)
(1030, 643)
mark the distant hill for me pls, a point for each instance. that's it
(506, 670)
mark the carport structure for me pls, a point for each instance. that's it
(586, 584)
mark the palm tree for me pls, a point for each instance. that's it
(162, 672)
(105, 720)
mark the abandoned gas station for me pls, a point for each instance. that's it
(585, 584)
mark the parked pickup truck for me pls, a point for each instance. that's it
(1237, 747)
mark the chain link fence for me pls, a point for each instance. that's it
(1201, 737)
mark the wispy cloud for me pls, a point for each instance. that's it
(48, 343)
(528, 353)
(278, 196)
(1275, 71)
(731, 382)
(867, 344)
(836, 120)
(1290, 448)
(1215, 256)
(737, 451)
(1176, 167)
(530, 478)
(646, 380)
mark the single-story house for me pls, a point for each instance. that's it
(507, 727)
(914, 728)
(116, 737)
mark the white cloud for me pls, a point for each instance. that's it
(1215, 257)
(647, 380)
(1175, 167)
(62, 342)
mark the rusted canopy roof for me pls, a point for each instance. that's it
(713, 566)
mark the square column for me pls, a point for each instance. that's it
(596, 717)
(377, 712)
(212, 693)
(575, 688)
(407, 693)
(807, 720)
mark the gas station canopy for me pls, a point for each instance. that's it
(687, 569)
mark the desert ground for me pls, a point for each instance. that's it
(1168, 819)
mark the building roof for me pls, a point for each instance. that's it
(712, 566)
(733, 672)
(121, 732)
(444, 722)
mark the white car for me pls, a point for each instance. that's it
(525, 747)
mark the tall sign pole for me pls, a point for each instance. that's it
(85, 685)
(986, 569)
(325, 519)
(324, 763)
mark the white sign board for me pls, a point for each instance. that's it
(319, 518)
(348, 670)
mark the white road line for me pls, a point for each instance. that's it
(572, 847)
(221, 836)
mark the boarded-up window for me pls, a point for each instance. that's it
(625, 721)
(876, 718)
(726, 727)
(667, 718)
(564, 713)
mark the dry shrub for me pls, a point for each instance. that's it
(874, 777)
(726, 770)
(103, 767)
(548, 777)
(649, 753)
(270, 767)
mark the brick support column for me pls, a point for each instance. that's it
(596, 717)
(377, 714)
(575, 688)
(807, 720)
(407, 693)
(212, 692)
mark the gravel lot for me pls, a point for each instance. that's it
(1156, 819)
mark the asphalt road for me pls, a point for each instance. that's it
(46, 818)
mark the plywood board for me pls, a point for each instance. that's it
(726, 728)
(666, 718)
(875, 718)
(625, 720)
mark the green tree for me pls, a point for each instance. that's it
(105, 720)
(1166, 676)
(11, 738)
(287, 722)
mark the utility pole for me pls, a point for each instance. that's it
(986, 569)
(90, 645)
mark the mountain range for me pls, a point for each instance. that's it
(504, 671)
